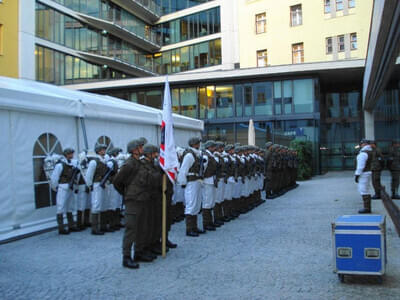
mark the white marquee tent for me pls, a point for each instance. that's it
(37, 119)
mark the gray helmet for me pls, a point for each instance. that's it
(365, 141)
(194, 141)
(148, 149)
(229, 147)
(219, 144)
(237, 144)
(209, 143)
(114, 151)
(132, 145)
(268, 144)
(142, 140)
(68, 151)
(100, 147)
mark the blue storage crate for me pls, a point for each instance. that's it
(359, 245)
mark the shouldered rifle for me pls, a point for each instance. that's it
(236, 170)
(75, 172)
(201, 169)
(109, 172)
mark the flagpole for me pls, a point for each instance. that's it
(164, 217)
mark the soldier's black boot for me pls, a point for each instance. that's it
(190, 228)
(116, 219)
(71, 224)
(86, 215)
(170, 244)
(60, 222)
(127, 262)
(367, 205)
(79, 220)
(95, 225)
(110, 220)
(207, 220)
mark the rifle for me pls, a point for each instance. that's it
(235, 165)
(75, 172)
(201, 169)
(110, 172)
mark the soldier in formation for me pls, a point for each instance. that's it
(62, 181)
(229, 180)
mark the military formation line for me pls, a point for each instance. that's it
(218, 181)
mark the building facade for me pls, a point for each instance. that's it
(74, 41)
(288, 31)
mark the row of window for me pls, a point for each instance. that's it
(297, 55)
(341, 45)
(240, 100)
(190, 27)
(188, 58)
(61, 29)
(170, 6)
(296, 14)
(106, 10)
(339, 5)
(58, 68)
(298, 49)
(279, 132)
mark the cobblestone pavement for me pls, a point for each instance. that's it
(280, 250)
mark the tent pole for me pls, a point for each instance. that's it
(84, 133)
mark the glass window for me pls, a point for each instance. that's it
(327, 6)
(296, 18)
(242, 130)
(206, 102)
(224, 101)
(203, 25)
(175, 101)
(352, 3)
(153, 99)
(221, 132)
(353, 41)
(303, 95)
(333, 105)
(329, 47)
(278, 97)
(189, 102)
(263, 132)
(248, 100)
(261, 23)
(262, 59)
(287, 96)
(351, 109)
(339, 4)
(46, 144)
(263, 98)
(340, 43)
(239, 100)
(297, 53)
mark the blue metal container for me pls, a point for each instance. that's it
(359, 245)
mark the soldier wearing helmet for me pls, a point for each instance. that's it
(63, 180)
(96, 171)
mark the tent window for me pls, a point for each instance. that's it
(104, 140)
(46, 144)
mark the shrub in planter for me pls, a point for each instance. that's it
(304, 154)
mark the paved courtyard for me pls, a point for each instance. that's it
(280, 250)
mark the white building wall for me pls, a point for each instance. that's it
(26, 39)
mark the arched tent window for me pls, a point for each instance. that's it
(104, 140)
(46, 144)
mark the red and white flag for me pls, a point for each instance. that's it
(168, 158)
